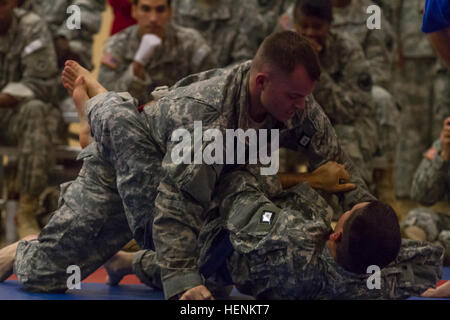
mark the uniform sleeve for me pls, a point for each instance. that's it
(184, 194)
(250, 34)
(116, 74)
(417, 268)
(345, 95)
(378, 48)
(38, 65)
(296, 218)
(324, 147)
(432, 178)
(201, 57)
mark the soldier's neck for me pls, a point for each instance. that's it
(331, 246)
(256, 110)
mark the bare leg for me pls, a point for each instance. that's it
(72, 71)
(82, 86)
(119, 266)
(80, 97)
(7, 256)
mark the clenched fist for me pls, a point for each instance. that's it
(331, 177)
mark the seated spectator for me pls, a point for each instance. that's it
(28, 74)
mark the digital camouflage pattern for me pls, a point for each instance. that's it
(233, 34)
(378, 44)
(344, 92)
(88, 228)
(218, 101)
(138, 147)
(55, 14)
(378, 47)
(28, 73)
(183, 52)
(413, 89)
(432, 179)
(288, 259)
(435, 225)
(270, 11)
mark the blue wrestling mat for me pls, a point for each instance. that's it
(10, 290)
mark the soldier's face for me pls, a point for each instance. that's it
(313, 28)
(152, 16)
(283, 95)
(6, 14)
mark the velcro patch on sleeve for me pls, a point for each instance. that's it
(110, 61)
(431, 154)
(33, 46)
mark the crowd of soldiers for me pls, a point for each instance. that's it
(381, 93)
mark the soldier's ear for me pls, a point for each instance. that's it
(134, 9)
(261, 80)
(336, 236)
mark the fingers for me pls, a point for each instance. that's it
(345, 176)
(345, 187)
(197, 293)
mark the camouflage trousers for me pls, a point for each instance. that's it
(435, 225)
(388, 116)
(99, 212)
(414, 90)
(26, 128)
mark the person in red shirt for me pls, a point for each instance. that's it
(122, 15)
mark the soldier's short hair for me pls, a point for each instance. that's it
(322, 9)
(371, 236)
(169, 3)
(286, 50)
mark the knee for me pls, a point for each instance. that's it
(34, 109)
(35, 272)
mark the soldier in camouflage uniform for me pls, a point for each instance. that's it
(344, 90)
(232, 33)
(27, 77)
(270, 11)
(277, 247)
(76, 44)
(183, 52)
(431, 184)
(129, 185)
(413, 88)
(379, 49)
(70, 43)
(350, 17)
